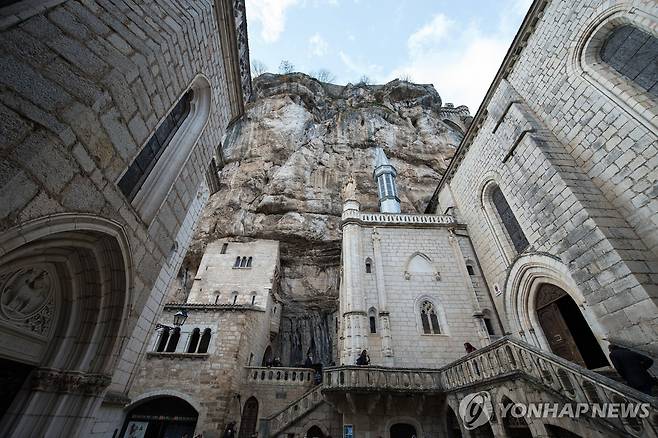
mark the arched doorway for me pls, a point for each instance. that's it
(515, 427)
(161, 417)
(403, 430)
(249, 418)
(65, 288)
(314, 432)
(566, 330)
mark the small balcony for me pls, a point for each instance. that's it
(373, 379)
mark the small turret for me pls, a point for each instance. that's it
(384, 174)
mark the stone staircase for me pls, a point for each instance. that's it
(506, 361)
(558, 379)
(277, 423)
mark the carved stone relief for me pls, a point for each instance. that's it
(27, 299)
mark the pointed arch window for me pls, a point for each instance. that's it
(249, 262)
(194, 341)
(204, 342)
(429, 318)
(508, 220)
(224, 248)
(368, 266)
(237, 262)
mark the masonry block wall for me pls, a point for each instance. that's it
(573, 146)
(405, 289)
(83, 85)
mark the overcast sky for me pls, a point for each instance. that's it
(455, 45)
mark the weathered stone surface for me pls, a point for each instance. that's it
(286, 161)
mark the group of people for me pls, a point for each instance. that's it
(276, 362)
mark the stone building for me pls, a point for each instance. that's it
(111, 112)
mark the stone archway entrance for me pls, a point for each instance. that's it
(314, 432)
(403, 430)
(566, 330)
(161, 417)
(249, 418)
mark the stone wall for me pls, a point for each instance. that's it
(573, 149)
(83, 85)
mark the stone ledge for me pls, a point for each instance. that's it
(165, 355)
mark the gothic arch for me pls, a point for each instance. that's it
(585, 60)
(440, 312)
(160, 180)
(66, 293)
(499, 230)
(526, 275)
(419, 264)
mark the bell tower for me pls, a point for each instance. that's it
(384, 175)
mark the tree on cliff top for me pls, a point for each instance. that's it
(286, 67)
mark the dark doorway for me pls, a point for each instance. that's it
(162, 417)
(267, 357)
(452, 425)
(403, 430)
(249, 418)
(12, 377)
(314, 432)
(565, 328)
(558, 432)
(483, 431)
(515, 427)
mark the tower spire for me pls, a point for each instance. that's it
(384, 174)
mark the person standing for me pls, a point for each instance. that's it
(469, 348)
(632, 367)
(363, 358)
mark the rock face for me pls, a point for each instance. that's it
(283, 166)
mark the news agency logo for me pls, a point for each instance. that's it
(476, 409)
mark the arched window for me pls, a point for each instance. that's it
(508, 219)
(149, 178)
(470, 269)
(429, 319)
(162, 342)
(173, 340)
(237, 262)
(249, 262)
(224, 248)
(194, 341)
(633, 53)
(243, 262)
(372, 318)
(205, 341)
(133, 179)
(368, 265)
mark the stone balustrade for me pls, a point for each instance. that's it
(280, 375)
(508, 357)
(380, 378)
(276, 423)
(389, 218)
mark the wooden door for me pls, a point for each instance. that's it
(558, 335)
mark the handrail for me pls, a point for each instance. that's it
(278, 421)
(375, 378)
(559, 376)
(397, 218)
(280, 375)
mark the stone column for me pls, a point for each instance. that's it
(384, 318)
(353, 305)
(478, 316)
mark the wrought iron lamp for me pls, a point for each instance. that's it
(179, 320)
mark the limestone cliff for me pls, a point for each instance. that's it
(283, 166)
